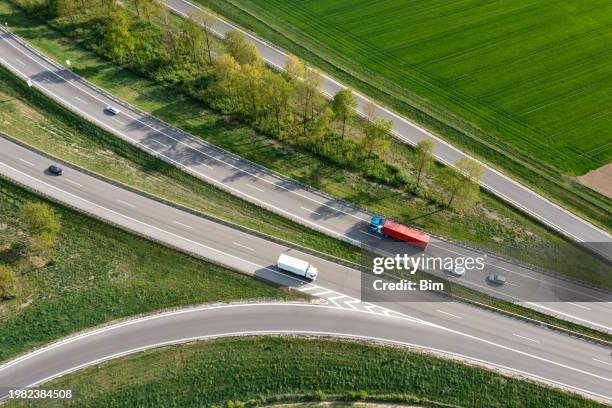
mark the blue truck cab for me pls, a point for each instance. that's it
(376, 224)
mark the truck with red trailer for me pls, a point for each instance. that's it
(388, 228)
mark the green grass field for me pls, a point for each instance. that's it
(97, 273)
(261, 371)
(536, 74)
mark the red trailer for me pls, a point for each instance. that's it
(403, 233)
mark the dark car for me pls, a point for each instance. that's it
(497, 279)
(55, 170)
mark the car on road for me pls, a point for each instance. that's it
(55, 170)
(112, 110)
(497, 279)
(455, 272)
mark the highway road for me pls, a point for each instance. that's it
(450, 326)
(496, 182)
(282, 195)
(574, 371)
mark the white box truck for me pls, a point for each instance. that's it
(297, 266)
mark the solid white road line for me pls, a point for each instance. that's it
(525, 338)
(254, 188)
(449, 314)
(311, 211)
(126, 203)
(243, 246)
(26, 162)
(183, 225)
(73, 182)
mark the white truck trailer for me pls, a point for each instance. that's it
(297, 266)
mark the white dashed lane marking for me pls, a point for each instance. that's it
(126, 203)
(182, 225)
(602, 362)
(310, 211)
(73, 182)
(243, 246)
(159, 143)
(449, 314)
(525, 338)
(255, 188)
(26, 162)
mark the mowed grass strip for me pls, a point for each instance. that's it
(260, 371)
(97, 273)
(308, 34)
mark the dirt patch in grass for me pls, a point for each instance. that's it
(599, 180)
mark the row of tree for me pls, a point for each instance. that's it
(287, 105)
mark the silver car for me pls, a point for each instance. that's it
(497, 279)
(455, 272)
(112, 110)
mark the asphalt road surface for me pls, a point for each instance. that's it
(496, 182)
(281, 195)
(460, 328)
(562, 364)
